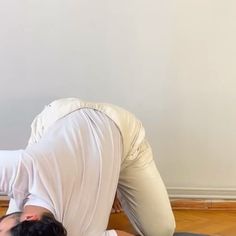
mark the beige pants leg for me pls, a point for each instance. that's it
(143, 195)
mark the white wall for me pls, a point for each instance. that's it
(198, 128)
(170, 62)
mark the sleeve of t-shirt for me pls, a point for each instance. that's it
(9, 161)
(110, 233)
(12, 207)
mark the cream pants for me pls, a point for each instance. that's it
(144, 197)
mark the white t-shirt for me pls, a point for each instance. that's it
(72, 171)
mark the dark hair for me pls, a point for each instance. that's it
(46, 226)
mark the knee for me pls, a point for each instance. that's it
(165, 229)
(168, 229)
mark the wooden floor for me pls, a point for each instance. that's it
(215, 223)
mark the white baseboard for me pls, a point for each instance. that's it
(204, 193)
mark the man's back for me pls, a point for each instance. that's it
(74, 171)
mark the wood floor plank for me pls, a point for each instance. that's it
(217, 223)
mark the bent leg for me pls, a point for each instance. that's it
(144, 197)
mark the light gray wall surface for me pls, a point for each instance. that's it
(172, 63)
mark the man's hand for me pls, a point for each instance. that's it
(116, 207)
(122, 233)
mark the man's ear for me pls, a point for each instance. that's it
(29, 217)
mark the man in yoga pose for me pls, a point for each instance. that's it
(79, 154)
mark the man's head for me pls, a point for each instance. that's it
(15, 225)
